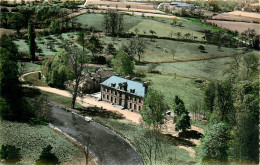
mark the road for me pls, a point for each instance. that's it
(107, 147)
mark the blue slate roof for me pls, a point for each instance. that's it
(137, 86)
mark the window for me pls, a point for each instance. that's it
(140, 100)
(103, 96)
(130, 106)
(107, 97)
(115, 100)
(134, 107)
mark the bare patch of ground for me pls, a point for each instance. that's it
(236, 26)
(239, 16)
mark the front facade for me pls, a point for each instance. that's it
(123, 92)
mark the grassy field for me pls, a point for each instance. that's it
(32, 139)
(45, 43)
(136, 133)
(162, 26)
(188, 90)
(97, 21)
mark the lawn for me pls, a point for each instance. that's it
(188, 90)
(207, 69)
(31, 140)
(33, 79)
(29, 67)
(135, 133)
(161, 50)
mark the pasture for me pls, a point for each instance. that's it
(162, 26)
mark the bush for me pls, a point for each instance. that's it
(99, 60)
(14, 10)
(4, 10)
(10, 154)
(47, 157)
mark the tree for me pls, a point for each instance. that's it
(10, 154)
(81, 39)
(153, 108)
(47, 157)
(113, 23)
(94, 45)
(173, 52)
(150, 146)
(181, 115)
(31, 40)
(122, 64)
(224, 102)
(135, 46)
(54, 26)
(251, 64)
(77, 60)
(14, 107)
(128, 6)
(214, 144)
(245, 133)
(17, 22)
(209, 96)
(174, 19)
(111, 49)
(57, 69)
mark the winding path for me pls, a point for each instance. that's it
(107, 147)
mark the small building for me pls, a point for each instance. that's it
(181, 4)
(124, 92)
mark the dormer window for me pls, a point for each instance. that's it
(132, 90)
(113, 84)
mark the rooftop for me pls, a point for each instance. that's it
(133, 87)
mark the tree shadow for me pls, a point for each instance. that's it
(177, 141)
(191, 134)
(96, 111)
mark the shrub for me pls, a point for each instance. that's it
(99, 60)
(47, 157)
(14, 10)
(10, 154)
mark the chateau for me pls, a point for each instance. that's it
(126, 93)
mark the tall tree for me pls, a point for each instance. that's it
(224, 102)
(181, 115)
(94, 45)
(122, 64)
(245, 134)
(113, 23)
(81, 39)
(214, 144)
(153, 108)
(17, 22)
(209, 96)
(77, 60)
(31, 40)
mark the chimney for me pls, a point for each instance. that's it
(125, 86)
(127, 77)
(146, 84)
